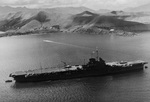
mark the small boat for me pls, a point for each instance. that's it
(7, 81)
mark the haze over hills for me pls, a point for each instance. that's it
(140, 14)
(72, 10)
(142, 8)
(103, 11)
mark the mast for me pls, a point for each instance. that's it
(84, 61)
(97, 54)
(41, 67)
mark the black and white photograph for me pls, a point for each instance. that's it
(74, 50)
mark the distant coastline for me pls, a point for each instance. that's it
(83, 31)
(30, 32)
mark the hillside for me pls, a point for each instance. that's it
(73, 19)
(15, 18)
(88, 20)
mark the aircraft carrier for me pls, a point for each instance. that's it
(94, 67)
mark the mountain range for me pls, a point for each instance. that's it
(23, 19)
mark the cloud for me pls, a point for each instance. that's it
(94, 4)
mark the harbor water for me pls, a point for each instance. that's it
(20, 53)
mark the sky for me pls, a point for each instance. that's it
(93, 4)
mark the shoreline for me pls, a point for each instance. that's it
(42, 32)
(17, 33)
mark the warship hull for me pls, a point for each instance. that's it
(78, 72)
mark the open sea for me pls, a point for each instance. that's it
(28, 52)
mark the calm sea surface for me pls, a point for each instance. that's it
(29, 52)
